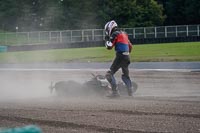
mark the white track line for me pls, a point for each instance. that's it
(92, 69)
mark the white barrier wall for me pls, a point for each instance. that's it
(45, 37)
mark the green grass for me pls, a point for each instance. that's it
(189, 51)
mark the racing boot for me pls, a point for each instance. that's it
(134, 87)
(128, 84)
(130, 91)
(113, 84)
(114, 94)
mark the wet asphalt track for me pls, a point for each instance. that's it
(166, 101)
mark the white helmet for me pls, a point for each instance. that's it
(109, 27)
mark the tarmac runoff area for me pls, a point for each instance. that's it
(167, 101)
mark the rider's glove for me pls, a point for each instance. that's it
(108, 45)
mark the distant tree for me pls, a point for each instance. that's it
(192, 11)
(79, 14)
(31, 15)
(41, 15)
(181, 12)
(150, 13)
(131, 13)
(9, 12)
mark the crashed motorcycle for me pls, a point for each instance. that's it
(96, 86)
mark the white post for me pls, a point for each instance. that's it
(165, 31)
(71, 36)
(155, 32)
(134, 33)
(145, 32)
(39, 37)
(82, 35)
(103, 35)
(16, 37)
(50, 36)
(93, 34)
(187, 30)
(28, 37)
(60, 36)
(6, 41)
(198, 30)
(176, 32)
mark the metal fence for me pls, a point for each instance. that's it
(71, 36)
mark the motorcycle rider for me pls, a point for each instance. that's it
(119, 39)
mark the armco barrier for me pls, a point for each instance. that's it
(165, 40)
(55, 46)
(98, 43)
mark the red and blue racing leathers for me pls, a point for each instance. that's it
(123, 47)
(120, 41)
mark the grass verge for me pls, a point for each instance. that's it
(189, 51)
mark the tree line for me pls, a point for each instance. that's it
(30, 15)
